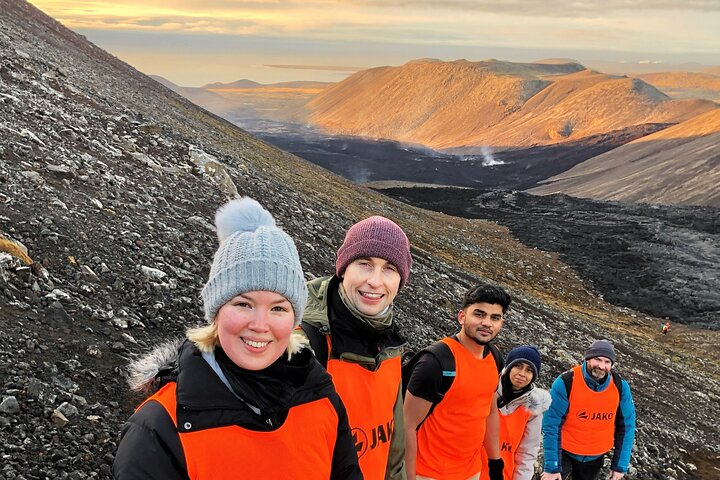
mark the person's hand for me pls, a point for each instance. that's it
(551, 476)
(615, 475)
(495, 468)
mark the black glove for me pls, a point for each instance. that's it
(495, 468)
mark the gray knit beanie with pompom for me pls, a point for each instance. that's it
(254, 255)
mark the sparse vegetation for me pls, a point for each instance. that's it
(8, 246)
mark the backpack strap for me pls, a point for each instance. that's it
(319, 338)
(447, 363)
(443, 355)
(497, 356)
(567, 378)
(618, 384)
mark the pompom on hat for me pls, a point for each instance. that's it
(527, 354)
(254, 255)
(601, 348)
(376, 237)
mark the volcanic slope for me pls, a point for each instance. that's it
(110, 181)
(685, 84)
(680, 164)
(446, 105)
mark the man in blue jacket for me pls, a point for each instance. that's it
(592, 412)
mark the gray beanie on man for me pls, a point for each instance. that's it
(601, 348)
(254, 254)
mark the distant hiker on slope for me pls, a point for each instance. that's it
(243, 397)
(349, 321)
(521, 405)
(666, 328)
(592, 412)
(446, 426)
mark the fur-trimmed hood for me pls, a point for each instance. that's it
(145, 371)
(149, 372)
(538, 401)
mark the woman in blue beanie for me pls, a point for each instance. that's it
(521, 405)
(242, 397)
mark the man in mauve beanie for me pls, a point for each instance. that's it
(349, 322)
(592, 412)
(376, 237)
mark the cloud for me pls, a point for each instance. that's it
(616, 25)
(549, 8)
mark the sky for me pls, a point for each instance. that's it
(194, 42)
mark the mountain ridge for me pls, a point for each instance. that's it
(491, 103)
(242, 83)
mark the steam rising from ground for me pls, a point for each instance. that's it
(488, 159)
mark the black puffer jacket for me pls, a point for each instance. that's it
(150, 445)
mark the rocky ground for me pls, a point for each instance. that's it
(659, 259)
(108, 185)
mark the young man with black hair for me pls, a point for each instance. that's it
(446, 430)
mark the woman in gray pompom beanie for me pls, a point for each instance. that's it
(246, 387)
(255, 259)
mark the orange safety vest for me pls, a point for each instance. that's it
(369, 398)
(512, 428)
(229, 452)
(589, 427)
(449, 441)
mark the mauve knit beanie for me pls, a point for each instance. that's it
(376, 237)
(254, 254)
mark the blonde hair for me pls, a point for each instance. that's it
(205, 339)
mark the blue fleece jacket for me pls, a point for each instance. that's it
(555, 417)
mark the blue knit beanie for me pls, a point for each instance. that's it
(254, 254)
(527, 354)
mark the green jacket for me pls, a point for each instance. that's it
(317, 317)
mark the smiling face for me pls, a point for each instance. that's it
(371, 284)
(481, 322)
(598, 367)
(521, 374)
(254, 328)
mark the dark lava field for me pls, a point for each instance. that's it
(363, 160)
(658, 259)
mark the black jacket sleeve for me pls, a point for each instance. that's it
(150, 447)
(345, 461)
